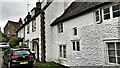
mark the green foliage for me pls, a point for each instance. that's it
(21, 46)
(4, 38)
(48, 65)
(13, 41)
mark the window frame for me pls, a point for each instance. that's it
(28, 28)
(99, 16)
(75, 31)
(115, 10)
(33, 25)
(116, 57)
(60, 28)
(76, 47)
(61, 51)
(106, 13)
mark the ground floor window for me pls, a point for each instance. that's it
(114, 52)
(76, 45)
(62, 51)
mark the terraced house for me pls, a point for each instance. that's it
(77, 33)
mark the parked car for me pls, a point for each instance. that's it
(18, 57)
(4, 45)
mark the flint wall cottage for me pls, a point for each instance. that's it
(87, 34)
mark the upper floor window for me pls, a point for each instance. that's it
(116, 10)
(76, 45)
(62, 51)
(106, 13)
(75, 30)
(97, 15)
(28, 29)
(33, 25)
(114, 52)
(60, 27)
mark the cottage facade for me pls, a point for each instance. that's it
(88, 36)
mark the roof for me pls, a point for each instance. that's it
(77, 9)
(17, 25)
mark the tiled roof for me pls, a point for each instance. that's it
(76, 9)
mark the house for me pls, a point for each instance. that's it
(87, 34)
(30, 31)
(11, 27)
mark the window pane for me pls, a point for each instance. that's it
(60, 51)
(116, 14)
(111, 46)
(116, 7)
(112, 59)
(118, 45)
(118, 59)
(107, 16)
(111, 52)
(97, 18)
(75, 30)
(106, 10)
(64, 51)
(74, 45)
(78, 46)
(118, 52)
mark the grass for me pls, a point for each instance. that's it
(48, 65)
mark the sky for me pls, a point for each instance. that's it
(14, 9)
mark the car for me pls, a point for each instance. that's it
(18, 57)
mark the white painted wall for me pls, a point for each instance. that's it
(54, 10)
(67, 35)
(35, 34)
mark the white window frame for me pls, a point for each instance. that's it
(61, 53)
(114, 11)
(60, 28)
(115, 51)
(33, 25)
(75, 45)
(107, 13)
(99, 14)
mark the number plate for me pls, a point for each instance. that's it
(23, 62)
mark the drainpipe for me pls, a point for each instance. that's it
(43, 38)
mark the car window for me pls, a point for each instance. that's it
(21, 52)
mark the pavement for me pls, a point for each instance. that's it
(1, 63)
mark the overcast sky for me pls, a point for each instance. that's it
(13, 10)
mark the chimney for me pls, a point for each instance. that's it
(28, 16)
(38, 5)
(20, 21)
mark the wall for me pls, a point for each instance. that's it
(33, 35)
(54, 10)
(91, 35)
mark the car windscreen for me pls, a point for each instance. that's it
(21, 52)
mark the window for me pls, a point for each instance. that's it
(28, 29)
(116, 10)
(76, 45)
(114, 52)
(97, 15)
(34, 25)
(60, 27)
(75, 30)
(62, 49)
(106, 13)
